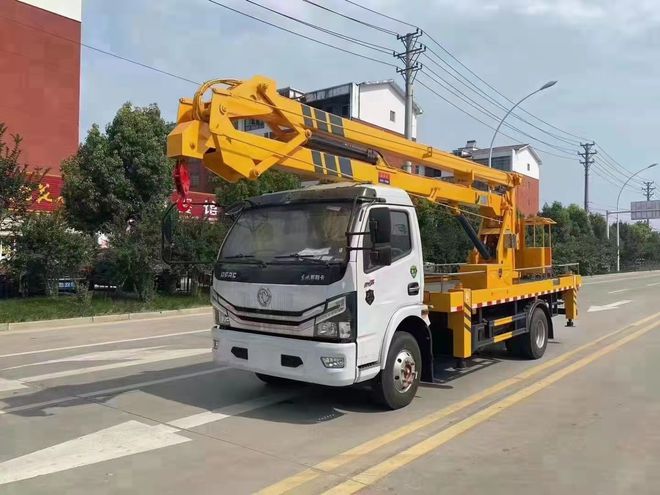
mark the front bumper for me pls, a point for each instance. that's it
(284, 357)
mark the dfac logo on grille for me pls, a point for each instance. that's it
(264, 296)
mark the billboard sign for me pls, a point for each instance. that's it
(48, 198)
(645, 210)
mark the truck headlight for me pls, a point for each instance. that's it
(335, 322)
(221, 316)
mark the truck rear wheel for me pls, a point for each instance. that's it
(532, 345)
(396, 385)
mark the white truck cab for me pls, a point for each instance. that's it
(313, 284)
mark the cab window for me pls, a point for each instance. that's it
(400, 239)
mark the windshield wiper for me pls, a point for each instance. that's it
(303, 257)
(244, 258)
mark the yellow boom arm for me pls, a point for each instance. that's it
(316, 144)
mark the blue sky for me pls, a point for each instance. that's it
(604, 54)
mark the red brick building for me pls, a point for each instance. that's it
(40, 77)
(520, 158)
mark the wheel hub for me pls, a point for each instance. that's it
(404, 371)
(540, 334)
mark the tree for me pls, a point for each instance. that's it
(195, 245)
(17, 184)
(580, 238)
(443, 239)
(118, 183)
(119, 174)
(271, 181)
(134, 252)
(46, 250)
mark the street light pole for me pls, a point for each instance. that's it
(547, 85)
(618, 253)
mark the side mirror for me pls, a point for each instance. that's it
(381, 256)
(380, 227)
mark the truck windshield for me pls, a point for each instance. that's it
(296, 233)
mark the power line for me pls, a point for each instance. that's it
(462, 96)
(456, 59)
(381, 14)
(462, 110)
(364, 23)
(366, 44)
(613, 179)
(105, 52)
(622, 176)
(482, 94)
(615, 164)
(329, 45)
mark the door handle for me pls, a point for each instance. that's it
(413, 289)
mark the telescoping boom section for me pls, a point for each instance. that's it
(511, 264)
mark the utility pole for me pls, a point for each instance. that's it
(648, 190)
(587, 162)
(413, 49)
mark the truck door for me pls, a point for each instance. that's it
(383, 290)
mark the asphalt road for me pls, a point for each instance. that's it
(137, 406)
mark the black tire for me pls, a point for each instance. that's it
(392, 389)
(274, 381)
(532, 345)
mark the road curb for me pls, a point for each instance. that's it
(86, 320)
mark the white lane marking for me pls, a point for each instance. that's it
(22, 331)
(108, 391)
(129, 438)
(619, 279)
(108, 342)
(617, 291)
(131, 353)
(227, 411)
(607, 307)
(151, 357)
(135, 357)
(6, 385)
(653, 285)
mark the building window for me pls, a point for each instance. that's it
(501, 163)
(392, 116)
(253, 124)
(528, 167)
(194, 180)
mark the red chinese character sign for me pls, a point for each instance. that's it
(48, 197)
(198, 205)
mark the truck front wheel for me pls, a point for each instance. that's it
(396, 385)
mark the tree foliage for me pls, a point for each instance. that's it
(271, 181)
(134, 252)
(443, 239)
(17, 184)
(46, 249)
(118, 184)
(195, 245)
(120, 173)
